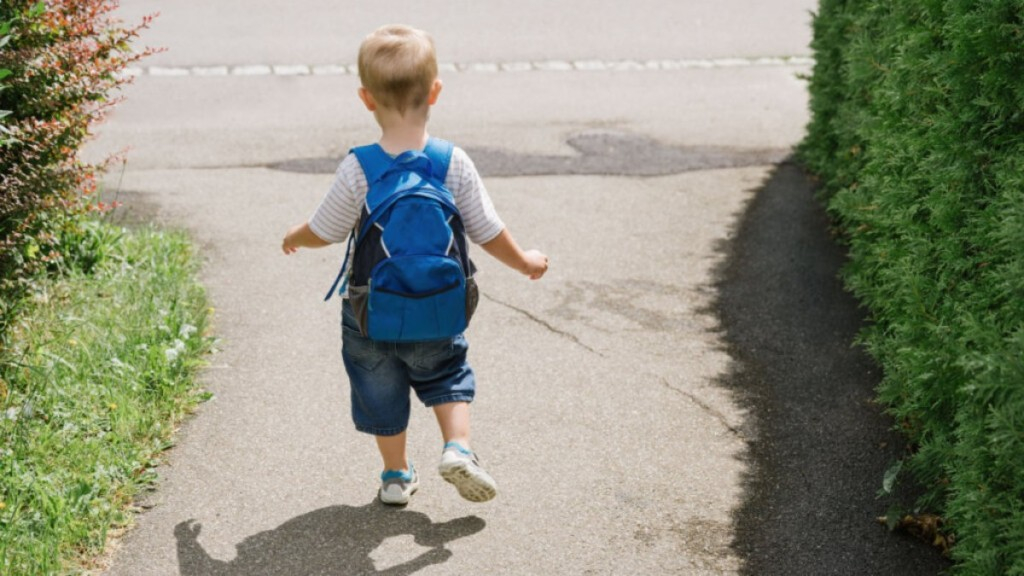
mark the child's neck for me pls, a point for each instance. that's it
(401, 133)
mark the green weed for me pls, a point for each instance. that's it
(94, 373)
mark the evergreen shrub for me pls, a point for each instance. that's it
(917, 134)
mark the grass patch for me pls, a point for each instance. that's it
(94, 374)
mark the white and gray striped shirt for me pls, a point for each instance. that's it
(340, 208)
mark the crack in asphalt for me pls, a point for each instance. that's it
(706, 408)
(537, 320)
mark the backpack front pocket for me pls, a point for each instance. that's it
(416, 298)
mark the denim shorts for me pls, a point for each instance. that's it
(382, 373)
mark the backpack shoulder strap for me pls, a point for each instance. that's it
(440, 153)
(374, 161)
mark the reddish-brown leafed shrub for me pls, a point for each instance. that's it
(61, 62)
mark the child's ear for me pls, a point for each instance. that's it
(435, 91)
(367, 99)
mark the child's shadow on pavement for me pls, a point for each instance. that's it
(336, 540)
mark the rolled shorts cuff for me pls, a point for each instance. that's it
(379, 431)
(448, 399)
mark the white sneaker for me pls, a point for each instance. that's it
(462, 468)
(397, 486)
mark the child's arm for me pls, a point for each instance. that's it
(301, 237)
(531, 262)
(334, 217)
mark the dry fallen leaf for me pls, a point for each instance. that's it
(927, 527)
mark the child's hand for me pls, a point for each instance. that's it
(536, 264)
(532, 263)
(289, 245)
(301, 237)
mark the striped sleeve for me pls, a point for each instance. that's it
(337, 213)
(478, 214)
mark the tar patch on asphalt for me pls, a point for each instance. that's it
(597, 153)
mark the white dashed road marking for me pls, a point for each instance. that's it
(479, 67)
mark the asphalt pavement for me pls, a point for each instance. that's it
(819, 444)
(624, 140)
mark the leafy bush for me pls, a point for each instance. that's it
(60, 61)
(917, 132)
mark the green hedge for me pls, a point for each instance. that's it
(917, 133)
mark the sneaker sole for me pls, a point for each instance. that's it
(380, 496)
(471, 485)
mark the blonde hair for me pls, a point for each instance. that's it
(398, 66)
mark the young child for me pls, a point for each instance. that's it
(398, 71)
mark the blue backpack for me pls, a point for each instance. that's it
(411, 277)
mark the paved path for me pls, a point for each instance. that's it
(821, 444)
(600, 409)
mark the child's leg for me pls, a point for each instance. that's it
(392, 450)
(459, 465)
(453, 418)
(398, 481)
(443, 379)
